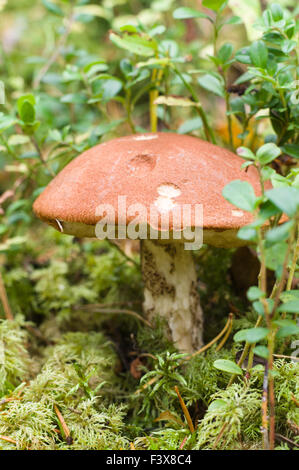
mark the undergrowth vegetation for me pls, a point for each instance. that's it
(80, 367)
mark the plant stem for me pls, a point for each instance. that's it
(265, 410)
(41, 157)
(129, 111)
(4, 300)
(208, 131)
(156, 78)
(57, 51)
(229, 118)
(128, 258)
(271, 343)
(185, 410)
(293, 264)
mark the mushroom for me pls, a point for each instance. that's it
(166, 190)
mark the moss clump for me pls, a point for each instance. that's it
(15, 362)
(234, 413)
(73, 373)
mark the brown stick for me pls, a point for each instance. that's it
(223, 341)
(265, 410)
(4, 300)
(64, 426)
(207, 346)
(295, 400)
(8, 439)
(185, 410)
(220, 435)
(109, 311)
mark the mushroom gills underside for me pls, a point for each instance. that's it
(225, 238)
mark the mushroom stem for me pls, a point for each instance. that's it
(170, 291)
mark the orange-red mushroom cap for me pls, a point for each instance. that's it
(162, 170)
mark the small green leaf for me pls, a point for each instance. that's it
(277, 12)
(217, 405)
(27, 112)
(190, 125)
(234, 20)
(225, 53)
(289, 295)
(261, 351)
(215, 5)
(258, 368)
(6, 122)
(228, 366)
(243, 56)
(291, 149)
(245, 153)
(284, 322)
(53, 8)
(251, 335)
(94, 67)
(267, 153)
(211, 83)
(254, 293)
(184, 13)
(75, 98)
(290, 307)
(259, 307)
(280, 233)
(259, 54)
(18, 139)
(30, 98)
(241, 194)
(139, 45)
(275, 255)
(103, 129)
(285, 198)
(287, 331)
(247, 233)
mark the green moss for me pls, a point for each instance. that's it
(15, 362)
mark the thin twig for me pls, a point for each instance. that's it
(220, 435)
(295, 400)
(282, 356)
(185, 410)
(280, 437)
(64, 426)
(4, 300)
(8, 439)
(207, 346)
(182, 444)
(95, 309)
(56, 52)
(41, 156)
(265, 410)
(128, 258)
(225, 338)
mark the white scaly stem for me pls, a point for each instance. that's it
(171, 292)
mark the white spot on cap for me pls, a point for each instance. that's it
(164, 204)
(169, 190)
(237, 213)
(146, 137)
